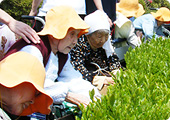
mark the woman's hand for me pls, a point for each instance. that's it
(77, 99)
(23, 30)
(19, 28)
(108, 80)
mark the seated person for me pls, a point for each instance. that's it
(89, 51)
(22, 86)
(150, 23)
(62, 29)
(124, 31)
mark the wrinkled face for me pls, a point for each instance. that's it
(21, 97)
(98, 38)
(66, 44)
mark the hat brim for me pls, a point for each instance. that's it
(41, 103)
(23, 68)
(60, 19)
(161, 17)
(130, 13)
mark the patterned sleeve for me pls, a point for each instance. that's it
(113, 62)
(78, 54)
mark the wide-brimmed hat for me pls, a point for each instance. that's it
(97, 20)
(130, 8)
(23, 68)
(163, 14)
(59, 19)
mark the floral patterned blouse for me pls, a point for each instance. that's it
(83, 57)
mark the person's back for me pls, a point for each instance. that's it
(147, 24)
(125, 35)
(150, 23)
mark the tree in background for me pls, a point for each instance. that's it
(16, 8)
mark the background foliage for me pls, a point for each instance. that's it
(16, 8)
(155, 4)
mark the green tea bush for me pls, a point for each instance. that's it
(142, 91)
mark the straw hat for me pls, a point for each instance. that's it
(59, 19)
(21, 67)
(97, 20)
(130, 8)
(163, 14)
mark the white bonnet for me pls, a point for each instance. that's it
(97, 20)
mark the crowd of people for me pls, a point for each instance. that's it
(71, 55)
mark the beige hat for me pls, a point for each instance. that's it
(59, 19)
(130, 8)
(163, 14)
(22, 67)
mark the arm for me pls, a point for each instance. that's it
(75, 82)
(19, 28)
(133, 39)
(78, 58)
(99, 6)
(35, 4)
(148, 29)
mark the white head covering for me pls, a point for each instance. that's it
(97, 20)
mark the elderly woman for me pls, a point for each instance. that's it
(22, 86)
(62, 29)
(149, 23)
(95, 50)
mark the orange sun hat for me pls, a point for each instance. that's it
(130, 8)
(23, 68)
(59, 19)
(162, 14)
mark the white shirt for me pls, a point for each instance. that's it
(68, 80)
(78, 5)
(124, 29)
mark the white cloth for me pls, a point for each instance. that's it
(109, 49)
(68, 80)
(7, 39)
(78, 5)
(3, 115)
(124, 29)
(97, 20)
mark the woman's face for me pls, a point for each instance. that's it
(98, 38)
(21, 97)
(66, 44)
